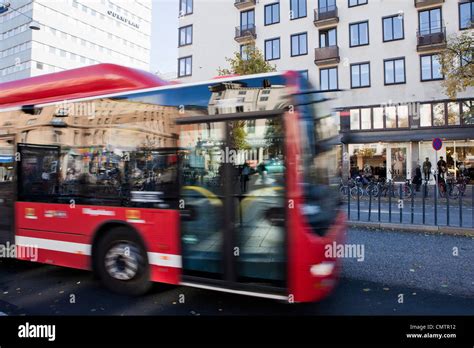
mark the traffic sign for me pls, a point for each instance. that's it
(437, 144)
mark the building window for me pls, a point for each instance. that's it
(353, 3)
(360, 75)
(454, 118)
(299, 44)
(251, 126)
(425, 115)
(327, 38)
(272, 49)
(247, 20)
(272, 13)
(185, 7)
(359, 34)
(355, 119)
(466, 15)
(439, 118)
(467, 113)
(365, 121)
(394, 71)
(326, 5)
(430, 21)
(297, 9)
(245, 51)
(328, 79)
(391, 117)
(393, 28)
(186, 35)
(378, 118)
(402, 116)
(431, 68)
(185, 66)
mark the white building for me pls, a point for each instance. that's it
(376, 58)
(73, 33)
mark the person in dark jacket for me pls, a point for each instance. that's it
(417, 179)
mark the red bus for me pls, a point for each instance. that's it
(229, 184)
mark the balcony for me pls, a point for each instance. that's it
(427, 3)
(326, 16)
(244, 4)
(326, 56)
(431, 40)
(245, 34)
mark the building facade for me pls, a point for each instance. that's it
(73, 33)
(378, 59)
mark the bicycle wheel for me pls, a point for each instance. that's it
(454, 192)
(372, 190)
(354, 191)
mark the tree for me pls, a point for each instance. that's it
(457, 64)
(254, 64)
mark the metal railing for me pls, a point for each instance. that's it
(432, 36)
(442, 204)
(325, 13)
(244, 31)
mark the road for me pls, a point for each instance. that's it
(422, 267)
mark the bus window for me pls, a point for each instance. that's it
(259, 168)
(202, 184)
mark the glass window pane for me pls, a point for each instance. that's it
(436, 68)
(468, 112)
(332, 37)
(276, 48)
(322, 39)
(303, 48)
(425, 115)
(465, 15)
(324, 76)
(438, 115)
(302, 8)
(355, 76)
(424, 19)
(355, 123)
(389, 73)
(378, 118)
(453, 114)
(364, 33)
(435, 20)
(398, 27)
(354, 35)
(426, 68)
(399, 71)
(365, 118)
(364, 72)
(333, 78)
(387, 29)
(403, 116)
(391, 117)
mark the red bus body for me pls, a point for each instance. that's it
(66, 233)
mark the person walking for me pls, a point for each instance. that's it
(427, 169)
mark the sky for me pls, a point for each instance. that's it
(164, 45)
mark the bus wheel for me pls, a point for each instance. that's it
(122, 263)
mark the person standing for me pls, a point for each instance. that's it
(417, 180)
(441, 168)
(427, 169)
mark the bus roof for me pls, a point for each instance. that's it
(78, 83)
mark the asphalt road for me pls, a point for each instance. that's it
(422, 267)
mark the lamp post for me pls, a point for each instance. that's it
(33, 25)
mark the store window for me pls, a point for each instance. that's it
(402, 111)
(425, 115)
(391, 117)
(438, 115)
(467, 112)
(454, 118)
(355, 119)
(365, 118)
(378, 118)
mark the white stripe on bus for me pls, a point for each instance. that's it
(158, 259)
(238, 292)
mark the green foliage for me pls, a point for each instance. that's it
(255, 64)
(458, 76)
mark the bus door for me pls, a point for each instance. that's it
(7, 188)
(232, 201)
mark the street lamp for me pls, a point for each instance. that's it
(33, 25)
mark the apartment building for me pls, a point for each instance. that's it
(72, 34)
(378, 59)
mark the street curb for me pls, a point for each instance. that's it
(449, 230)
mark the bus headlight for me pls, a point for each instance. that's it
(322, 269)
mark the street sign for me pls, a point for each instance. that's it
(437, 144)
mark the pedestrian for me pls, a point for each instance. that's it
(417, 179)
(441, 168)
(427, 169)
